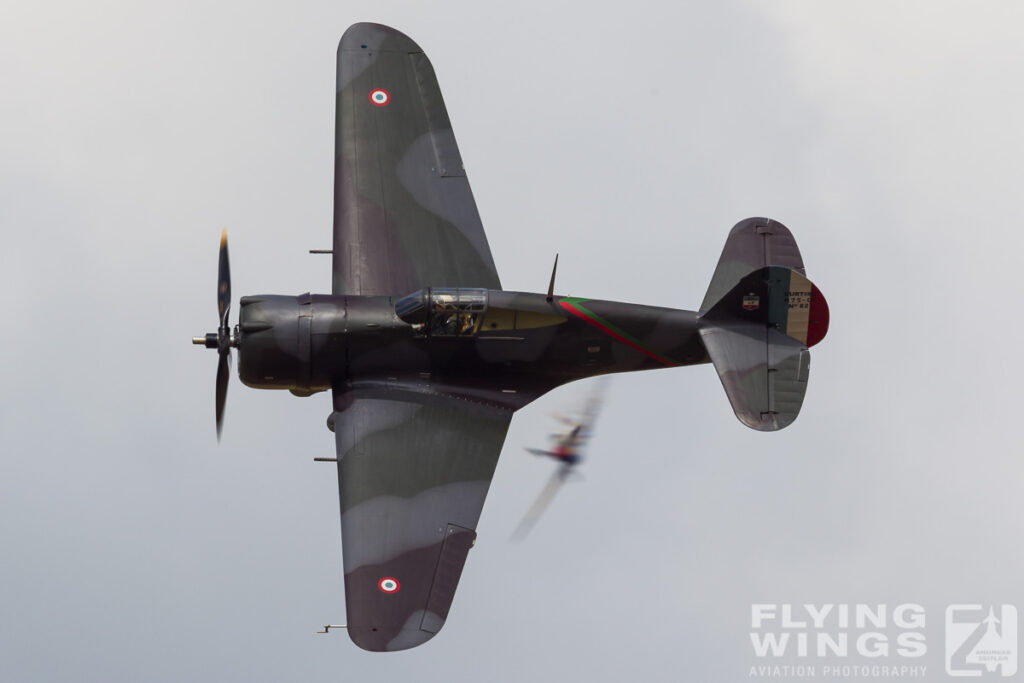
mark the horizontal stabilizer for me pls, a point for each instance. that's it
(753, 243)
(758, 335)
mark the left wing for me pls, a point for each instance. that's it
(413, 473)
(404, 215)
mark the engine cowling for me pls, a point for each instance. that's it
(274, 342)
(304, 343)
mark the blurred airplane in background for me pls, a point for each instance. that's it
(568, 449)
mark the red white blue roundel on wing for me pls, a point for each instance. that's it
(388, 584)
(380, 97)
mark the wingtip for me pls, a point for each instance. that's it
(371, 36)
(766, 422)
(371, 641)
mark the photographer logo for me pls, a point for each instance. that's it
(981, 640)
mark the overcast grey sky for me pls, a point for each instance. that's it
(629, 138)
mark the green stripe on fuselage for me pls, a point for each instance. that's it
(577, 303)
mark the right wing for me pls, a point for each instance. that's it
(544, 499)
(404, 215)
(413, 472)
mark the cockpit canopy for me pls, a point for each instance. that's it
(444, 311)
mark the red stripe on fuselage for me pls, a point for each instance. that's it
(615, 335)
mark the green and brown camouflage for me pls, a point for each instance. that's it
(404, 215)
(427, 357)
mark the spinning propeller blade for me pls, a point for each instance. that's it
(223, 281)
(223, 340)
(222, 390)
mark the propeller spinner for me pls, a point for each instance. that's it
(223, 339)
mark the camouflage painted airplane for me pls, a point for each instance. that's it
(567, 449)
(427, 358)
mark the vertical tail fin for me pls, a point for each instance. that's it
(759, 318)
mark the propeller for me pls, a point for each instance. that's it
(222, 339)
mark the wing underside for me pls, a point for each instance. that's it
(404, 214)
(413, 473)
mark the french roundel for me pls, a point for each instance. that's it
(380, 97)
(388, 584)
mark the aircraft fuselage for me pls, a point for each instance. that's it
(487, 345)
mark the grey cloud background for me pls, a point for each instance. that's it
(627, 138)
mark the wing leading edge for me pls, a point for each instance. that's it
(404, 214)
(413, 473)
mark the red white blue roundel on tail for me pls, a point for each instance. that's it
(380, 97)
(388, 584)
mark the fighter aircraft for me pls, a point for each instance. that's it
(427, 357)
(567, 449)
